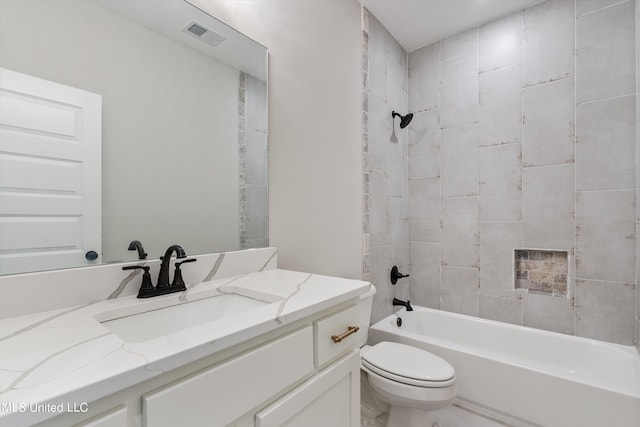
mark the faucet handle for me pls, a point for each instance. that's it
(146, 288)
(178, 282)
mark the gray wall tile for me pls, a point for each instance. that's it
(460, 44)
(549, 128)
(380, 270)
(605, 311)
(459, 290)
(498, 240)
(605, 237)
(500, 111)
(379, 214)
(424, 78)
(460, 161)
(424, 209)
(548, 206)
(586, 6)
(399, 232)
(460, 231)
(507, 310)
(549, 41)
(605, 152)
(605, 61)
(424, 145)
(459, 91)
(424, 274)
(547, 312)
(500, 43)
(501, 183)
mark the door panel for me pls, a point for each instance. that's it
(50, 174)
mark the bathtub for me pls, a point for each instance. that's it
(525, 376)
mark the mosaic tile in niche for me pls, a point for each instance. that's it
(541, 272)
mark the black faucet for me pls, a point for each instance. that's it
(136, 245)
(163, 276)
(405, 304)
(163, 287)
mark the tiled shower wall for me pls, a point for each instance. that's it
(385, 222)
(525, 137)
(252, 143)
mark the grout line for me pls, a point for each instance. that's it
(598, 10)
(571, 283)
(605, 99)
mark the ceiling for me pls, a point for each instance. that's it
(418, 23)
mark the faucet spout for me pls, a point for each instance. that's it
(136, 245)
(405, 304)
(163, 276)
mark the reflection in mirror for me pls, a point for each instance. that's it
(184, 124)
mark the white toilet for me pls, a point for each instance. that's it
(410, 380)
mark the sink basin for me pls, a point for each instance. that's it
(151, 324)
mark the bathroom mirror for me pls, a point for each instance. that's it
(184, 117)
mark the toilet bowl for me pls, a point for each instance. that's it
(411, 381)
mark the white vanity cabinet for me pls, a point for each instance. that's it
(294, 376)
(219, 395)
(331, 398)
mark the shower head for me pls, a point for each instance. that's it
(404, 120)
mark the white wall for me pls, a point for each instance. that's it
(315, 166)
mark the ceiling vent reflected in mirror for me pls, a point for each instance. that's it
(203, 33)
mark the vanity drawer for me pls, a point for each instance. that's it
(336, 325)
(219, 395)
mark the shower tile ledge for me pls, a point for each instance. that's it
(67, 355)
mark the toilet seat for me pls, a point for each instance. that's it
(408, 365)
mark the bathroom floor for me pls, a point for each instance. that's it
(453, 416)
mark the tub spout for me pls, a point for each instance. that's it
(405, 304)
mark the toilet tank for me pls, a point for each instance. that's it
(364, 305)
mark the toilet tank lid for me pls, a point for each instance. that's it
(410, 362)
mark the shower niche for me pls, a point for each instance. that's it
(541, 271)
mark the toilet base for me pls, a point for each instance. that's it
(408, 417)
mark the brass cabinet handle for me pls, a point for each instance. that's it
(350, 330)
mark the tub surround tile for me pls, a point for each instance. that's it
(500, 113)
(380, 270)
(379, 214)
(460, 161)
(548, 41)
(587, 6)
(461, 44)
(547, 312)
(398, 231)
(548, 206)
(605, 60)
(605, 311)
(424, 145)
(605, 237)
(424, 78)
(424, 271)
(459, 290)
(424, 209)
(498, 240)
(80, 353)
(606, 144)
(638, 334)
(459, 91)
(460, 231)
(548, 134)
(500, 43)
(508, 310)
(501, 183)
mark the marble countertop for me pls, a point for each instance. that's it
(68, 356)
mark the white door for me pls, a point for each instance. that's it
(50, 175)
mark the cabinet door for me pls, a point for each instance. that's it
(221, 394)
(330, 398)
(117, 418)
